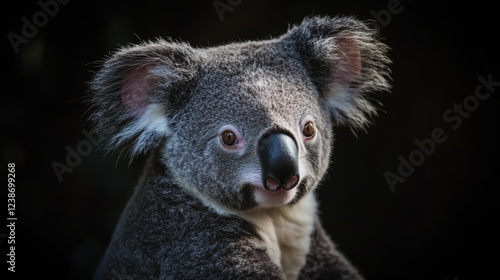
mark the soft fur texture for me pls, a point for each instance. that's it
(200, 210)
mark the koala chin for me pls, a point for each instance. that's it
(238, 138)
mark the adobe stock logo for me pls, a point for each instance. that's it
(74, 157)
(454, 117)
(221, 7)
(39, 19)
(383, 17)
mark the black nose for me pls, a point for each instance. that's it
(279, 159)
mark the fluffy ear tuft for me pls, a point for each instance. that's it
(136, 90)
(346, 61)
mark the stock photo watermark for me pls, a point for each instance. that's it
(453, 117)
(12, 217)
(383, 17)
(222, 6)
(74, 156)
(39, 19)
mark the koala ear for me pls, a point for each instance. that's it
(346, 61)
(136, 91)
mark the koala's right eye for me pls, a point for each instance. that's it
(309, 130)
(229, 138)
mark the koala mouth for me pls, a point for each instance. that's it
(280, 197)
(253, 195)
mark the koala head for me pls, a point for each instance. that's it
(244, 125)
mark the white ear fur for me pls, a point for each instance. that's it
(151, 125)
(345, 105)
(346, 108)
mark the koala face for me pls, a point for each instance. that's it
(244, 125)
(219, 133)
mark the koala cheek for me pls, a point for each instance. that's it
(315, 156)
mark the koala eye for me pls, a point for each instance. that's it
(228, 138)
(309, 130)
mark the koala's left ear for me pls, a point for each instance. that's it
(137, 90)
(346, 61)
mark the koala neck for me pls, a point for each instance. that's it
(286, 232)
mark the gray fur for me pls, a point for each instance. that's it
(188, 217)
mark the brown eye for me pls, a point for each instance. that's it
(309, 129)
(229, 138)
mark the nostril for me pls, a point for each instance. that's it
(272, 185)
(291, 183)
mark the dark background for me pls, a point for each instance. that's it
(440, 223)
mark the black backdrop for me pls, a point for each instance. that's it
(439, 223)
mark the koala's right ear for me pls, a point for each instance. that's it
(347, 62)
(136, 91)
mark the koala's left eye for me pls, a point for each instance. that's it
(229, 138)
(309, 130)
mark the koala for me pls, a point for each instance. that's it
(237, 138)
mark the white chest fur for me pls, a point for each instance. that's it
(287, 233)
